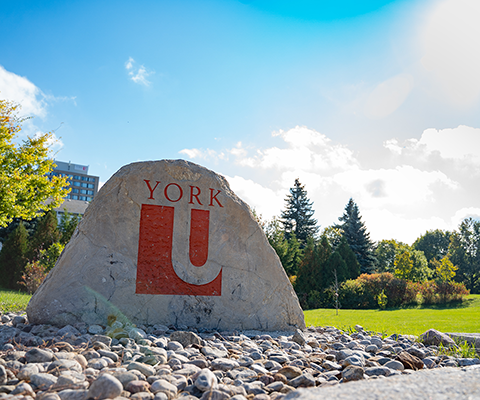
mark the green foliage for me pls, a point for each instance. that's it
(288, 251)
(298, 215)
(351, 262)
(385, 254)
(464, 252)
(382, 300)
(25, 189)
(67, 225)
(45, 235)
(334, 235)
(369, 291)
(13, 258)
(444, 269)
(434, 244)
(411, 265)
(48, 257)
(357, 237)
(404, 265)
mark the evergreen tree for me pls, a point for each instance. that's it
(13, 258)
(67, 225)
(353, 267)
(357, 237)
(308, 276)
(45, 235)
(288, 251)
(298, 214)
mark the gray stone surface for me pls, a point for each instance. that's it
(444, 384)
(110, 270)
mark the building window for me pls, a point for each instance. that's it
(74, 190)
(75, 183)
(75, 197)
(89, 185)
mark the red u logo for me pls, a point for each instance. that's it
(155, 269)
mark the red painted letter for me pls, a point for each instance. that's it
(212, 197)
(192, 195)
(199, 225)
(150, 188)
(155, 272)
(166, 192)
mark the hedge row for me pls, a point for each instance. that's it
(370, 291)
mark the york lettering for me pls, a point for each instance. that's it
(173, 193)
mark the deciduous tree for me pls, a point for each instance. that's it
(25, 189)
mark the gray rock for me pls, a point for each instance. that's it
(299, 337)
(23, 389)
(215, 395)
(43, 381)
(213, 352)
(305, 380)
(38, 356)
(377, 371)
(395, 365)
(105, 386)
(73, 394)
(206, 380)
(3, 375)
(352, 373)
(145, 369)
(434, 337)
(110, 254)
(224, 364)
(161, 385)
(185, 338)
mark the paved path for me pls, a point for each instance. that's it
(437, 384)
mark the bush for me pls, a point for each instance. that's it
(33, 276)
(352, 294)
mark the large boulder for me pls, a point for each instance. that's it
(168, 242)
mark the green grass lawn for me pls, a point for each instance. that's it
(460, 317)
(13, 301)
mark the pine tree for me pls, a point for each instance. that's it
(13, 258)
(298, 214)
(353, 267)
(357, 237)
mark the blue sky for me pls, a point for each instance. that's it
(375, 100)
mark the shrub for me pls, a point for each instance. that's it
(352, 294)
(33, 276)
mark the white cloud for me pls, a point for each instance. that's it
(264, 200)
(460, 143)
(401, 202)
(401, 186)
(137, 74)
(387, 224)
(20, 90)
(306, 150)
(450, 41)
(388, 96)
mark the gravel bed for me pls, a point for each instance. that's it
(157, 362)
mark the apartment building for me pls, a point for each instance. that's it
(84, 187)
